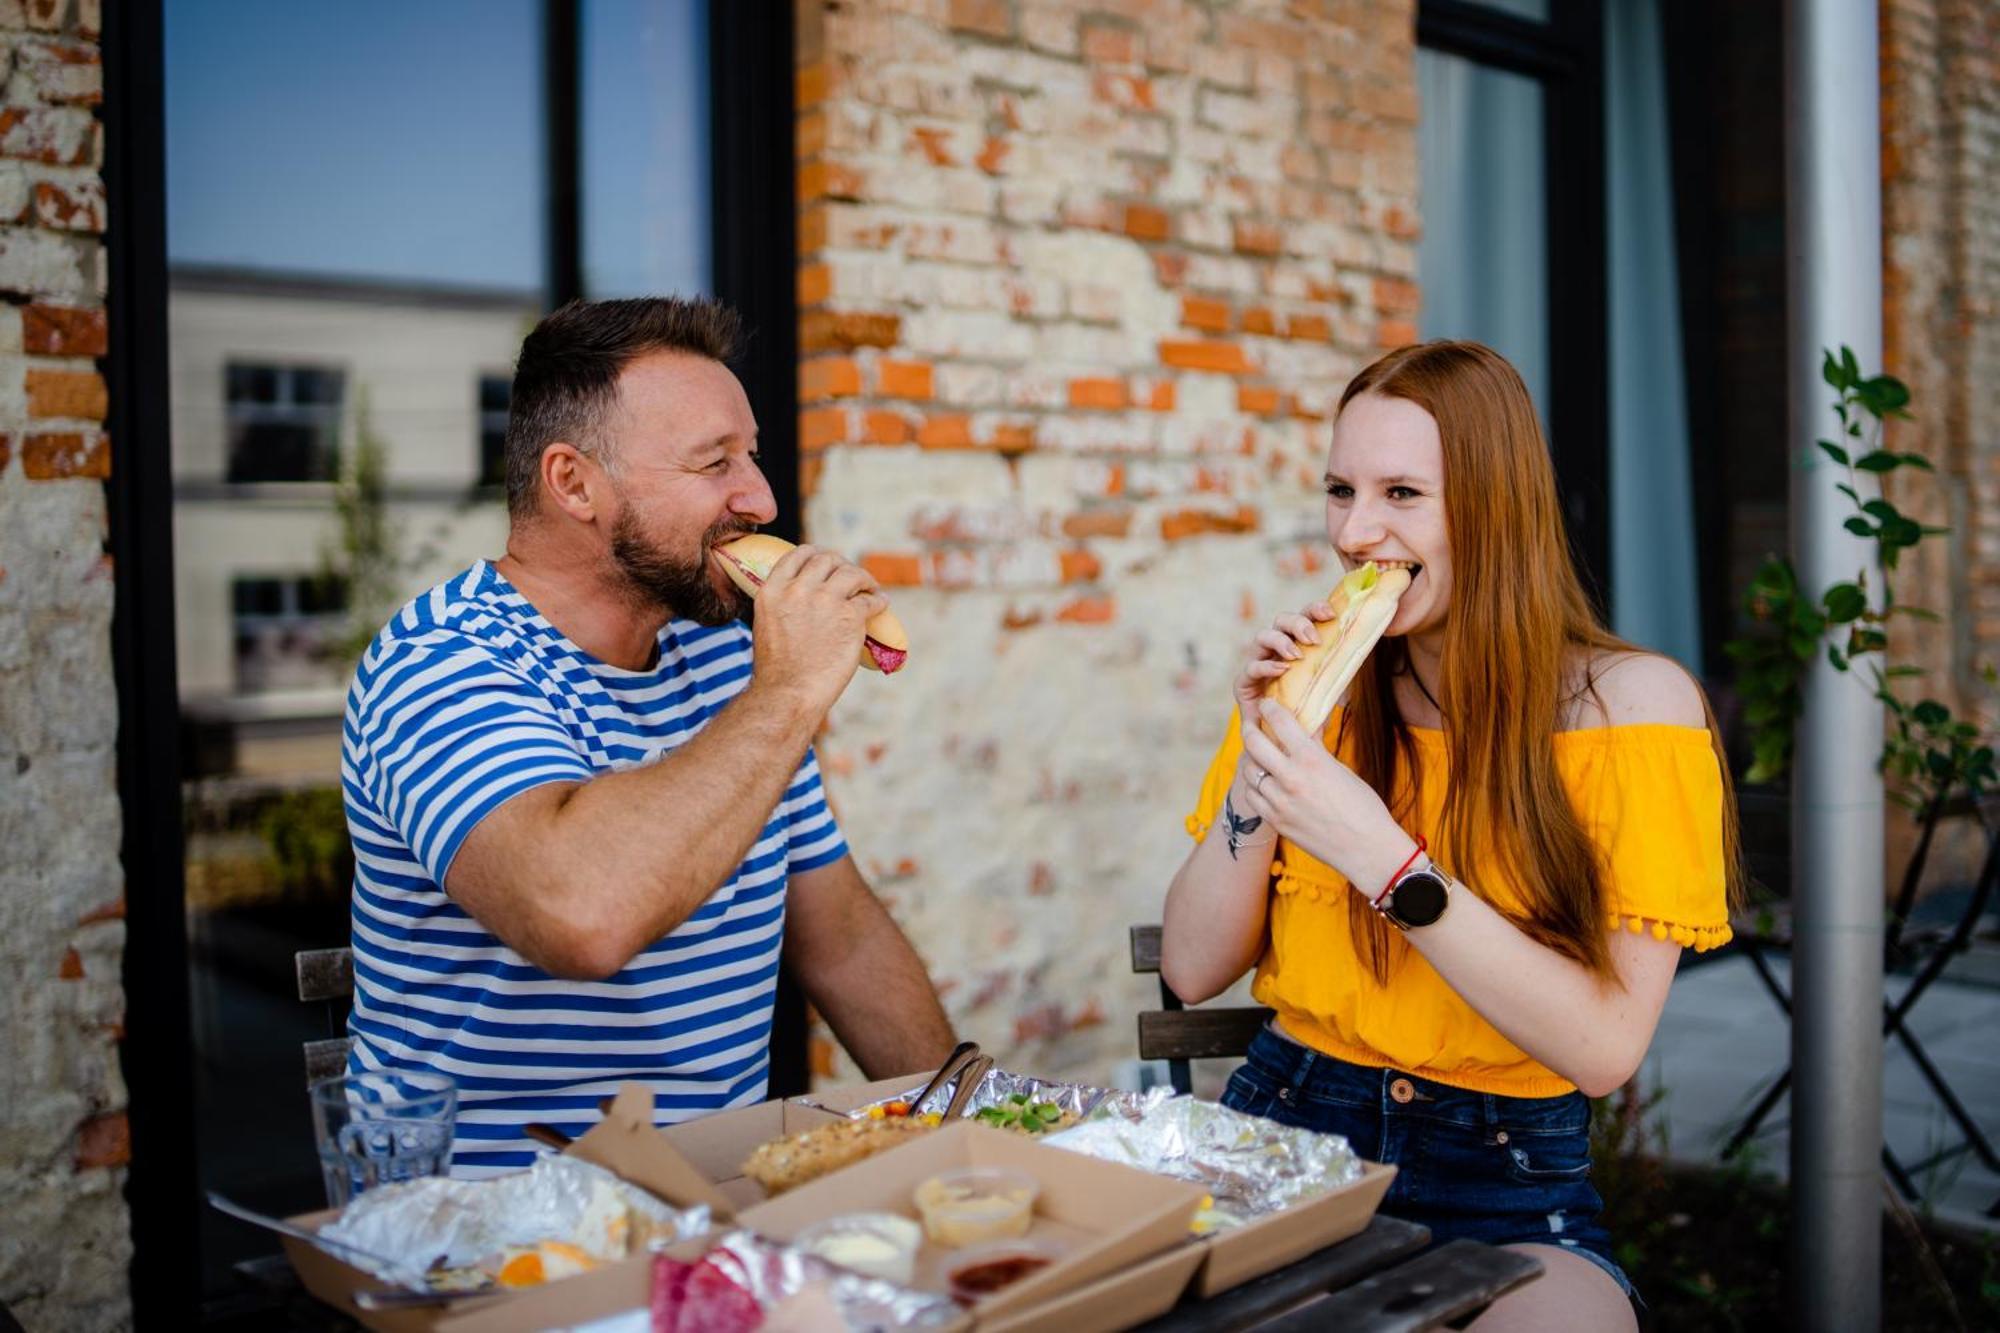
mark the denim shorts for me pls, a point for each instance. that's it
(1503, 1170)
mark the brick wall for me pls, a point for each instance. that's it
(1080, 281)
(1941, 242)
(63, 1142)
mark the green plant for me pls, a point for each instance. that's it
(306, 834)
(365, 561)
(1926, 752)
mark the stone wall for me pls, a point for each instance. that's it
(1080, 281)
(64, 1246)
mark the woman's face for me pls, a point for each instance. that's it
(1385, 502)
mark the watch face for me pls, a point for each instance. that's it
(1419, 899)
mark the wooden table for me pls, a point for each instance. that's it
(1376, 1282)
(1381, 1281)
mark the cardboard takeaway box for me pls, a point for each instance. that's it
(1229, 1258)
(624, 1142)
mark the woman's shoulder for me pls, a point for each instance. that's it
(1628, 687)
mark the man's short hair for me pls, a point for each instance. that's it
(566, 381)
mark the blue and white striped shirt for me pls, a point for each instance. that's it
(468, 697)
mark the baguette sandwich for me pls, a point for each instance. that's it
(748, 562)
(1363, 604)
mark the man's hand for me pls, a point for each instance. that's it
(811, 614)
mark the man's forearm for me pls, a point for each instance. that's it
(879, 1001)
(613, 864)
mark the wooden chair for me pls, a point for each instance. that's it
(1177, 1034)
(326, 976)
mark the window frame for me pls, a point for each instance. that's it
(248, 414)
(1566, 57)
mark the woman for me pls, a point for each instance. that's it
(1452, 1016)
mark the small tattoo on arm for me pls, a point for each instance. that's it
(1239, 827)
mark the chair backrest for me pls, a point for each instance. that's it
(1178, 1034)
(325, 976)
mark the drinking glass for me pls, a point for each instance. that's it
(380, 1127)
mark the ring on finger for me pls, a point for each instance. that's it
(1257, 784)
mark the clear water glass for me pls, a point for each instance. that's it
(381, 1127)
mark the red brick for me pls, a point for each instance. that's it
(1162, 397)
(822, 426)
(1143, 222)
(993, 156)
(1105, 394)
(1129, 92)
(828, 377)
(815, 284)
(1205, 313)
(1170, 268)
(1223, 357)
(903, 379)
(1089, 611)
(71, 967)
(1397, 296)
(56, 135)
(894, 569)
(1395, 102)
(1013, 437)
(1259, 238)
(1013, 618)
(886, 428)
(934, 145)
(77, 207)
(1260, 321)
(1309, 328)
(1258, 400)
(813, 83)
(1393, 333)
(810, 466)
(828, 330)
(104, 1141)
(1098, 523)
(1194, 522)
(1080, 566)
(988, 18)
(952, 431)
(820, 179)
(1401, 225)
(54, 456)
(1106, 45)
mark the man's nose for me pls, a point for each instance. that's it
(754, 500)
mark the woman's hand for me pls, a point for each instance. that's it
(1277, 648)
(1316, 801)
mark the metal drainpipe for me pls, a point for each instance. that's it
(1833, 222)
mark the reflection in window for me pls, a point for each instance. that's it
(287, 631)
(1483, 260)
(284, 422)
(495, 391)
(644, 89)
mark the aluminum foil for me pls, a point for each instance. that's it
(1252, 1166)
(1078, 1098)
(771, 1272)
(441, 1228)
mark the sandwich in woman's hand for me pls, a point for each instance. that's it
(748, 561)
(1363, 605)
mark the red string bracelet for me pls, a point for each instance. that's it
(1422, 847)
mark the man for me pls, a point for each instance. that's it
(586, 812)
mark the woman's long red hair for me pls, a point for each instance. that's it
(1518, 627)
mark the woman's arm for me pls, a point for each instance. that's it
(1213, 929)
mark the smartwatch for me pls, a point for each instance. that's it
(1417, 898)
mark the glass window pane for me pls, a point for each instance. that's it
(1483, 260)
(644, 88)
(1534, 10)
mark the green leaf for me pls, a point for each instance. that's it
(1860, 527)
(1916, 613)
(1830, 371)
(1850, 367)
(1833, 451)
(1879, 460)
(1930, 712)
(1844, 602)
(1916, 461)
(1835, 656)
(1903, 672)
(1888, 392)
(1882, 509)
(1847, 491)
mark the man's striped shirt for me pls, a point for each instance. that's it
(467, 698)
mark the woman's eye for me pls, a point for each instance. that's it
(1401, 493)
(1340, 490)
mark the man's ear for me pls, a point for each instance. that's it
(573, 483)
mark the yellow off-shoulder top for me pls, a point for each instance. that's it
(1651, 796)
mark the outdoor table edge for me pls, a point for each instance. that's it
(1385, 1241)
(1456, 1279)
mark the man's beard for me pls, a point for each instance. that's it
(684, 588)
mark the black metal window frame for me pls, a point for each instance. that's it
(1566, 57)
(290, 433)
(754, 261)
